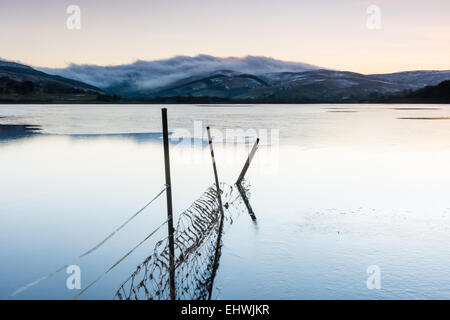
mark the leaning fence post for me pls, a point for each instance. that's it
(219, 197)
(169, 204)
(222, 215)
(241, 177)
(247, 163)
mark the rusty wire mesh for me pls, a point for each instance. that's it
(197, 249)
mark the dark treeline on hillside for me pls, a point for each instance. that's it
(14, 91)
(428, 94)
(439, 93)
(11, 86)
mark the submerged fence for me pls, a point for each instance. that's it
(183, 265)
(197, 252)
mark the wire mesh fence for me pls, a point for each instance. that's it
(198, 244)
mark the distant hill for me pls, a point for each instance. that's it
(141, 78)
(315, 85)
(250, 78)
(207, 79)
(21, 83)
(429, 94)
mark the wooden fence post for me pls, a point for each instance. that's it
(169, 204)
(241, 177)
(222, 215)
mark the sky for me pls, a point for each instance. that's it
(412, 35)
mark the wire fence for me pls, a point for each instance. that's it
(198, 245)
(197, 251)
(197, 241)
(88, 252)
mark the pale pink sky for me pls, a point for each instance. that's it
(414, 34)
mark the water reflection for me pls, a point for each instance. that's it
(18, 131)
(136, 137)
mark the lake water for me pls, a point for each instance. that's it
(335, 188)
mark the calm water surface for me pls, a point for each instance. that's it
(336, 189)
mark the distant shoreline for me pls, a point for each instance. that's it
(124, 102)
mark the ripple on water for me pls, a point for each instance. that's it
(414, 108)
(425, 118)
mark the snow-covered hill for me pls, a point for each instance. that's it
(243, 78)
(141, 75)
